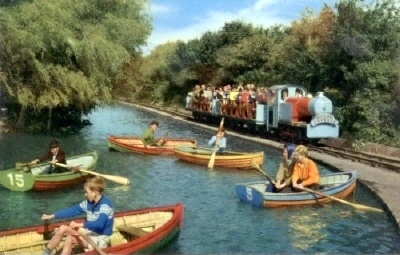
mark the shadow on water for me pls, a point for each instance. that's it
(215, 222)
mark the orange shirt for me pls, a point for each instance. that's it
(308, 173)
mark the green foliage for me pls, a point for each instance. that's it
(68, 53)
(66, 57)
(372, 122)
(244, 60)
(363, 61)
(350, 52)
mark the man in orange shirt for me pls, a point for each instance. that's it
(305, 171)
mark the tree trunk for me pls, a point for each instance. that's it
(21, 117)
(49, 119)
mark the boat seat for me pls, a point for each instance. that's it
(135, 232)
(117, 238)
(326, 186)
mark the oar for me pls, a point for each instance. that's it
(164, 138)
(19, 165)
(21, 246)
(357, 206)
(91, 242)
(256, 166)
(214, 153)
(114, 178)
(46, 232)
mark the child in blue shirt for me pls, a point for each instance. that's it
(99, 219)
(218, 140)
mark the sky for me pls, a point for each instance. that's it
(188, 19)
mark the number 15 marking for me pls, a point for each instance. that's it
(16, 179)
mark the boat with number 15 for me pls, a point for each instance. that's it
(28, 176)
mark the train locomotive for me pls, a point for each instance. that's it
(287, 113)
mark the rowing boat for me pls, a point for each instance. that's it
(338, 185)
(227, 159)
(29, 178)
(134, 144)
(145, 230)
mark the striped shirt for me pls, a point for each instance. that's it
(99, 216)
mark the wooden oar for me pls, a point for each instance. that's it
(91, 242)
(256, 166)
(214, 153)
(164, 138)
(21, 246)
(114, 178)
(357, 206)
(19, 165)
(46, 232)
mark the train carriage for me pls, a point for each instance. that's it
(288, 112)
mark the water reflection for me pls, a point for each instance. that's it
(216, 222)
(305, 230)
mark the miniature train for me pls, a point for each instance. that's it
(285, 112)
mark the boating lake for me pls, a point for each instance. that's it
(215, 222)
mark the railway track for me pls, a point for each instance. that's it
(374, 160)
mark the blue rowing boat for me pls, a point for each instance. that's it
(338, 185)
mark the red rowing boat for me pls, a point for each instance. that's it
(135, 144)
(136, 231)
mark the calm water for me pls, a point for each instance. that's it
(216, 222)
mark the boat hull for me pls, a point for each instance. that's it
(339, 185)
(133, 144)
(160, 225)
(30, 179)
(228, 159)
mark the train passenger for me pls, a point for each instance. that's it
(225, 96)
(262, 96)
(305, 171)
(285, 171)
(218, 94)
(243, 103)
(271, 98)
(252, 104)
(299, 93)
(207, 98)
(218, 141)
(284, 94)
(196, 98)
(232, 101)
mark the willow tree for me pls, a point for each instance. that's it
(65, 55)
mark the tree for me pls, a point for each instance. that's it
(70, 57)
(363, 63)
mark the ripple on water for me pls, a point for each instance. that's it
(215, 222)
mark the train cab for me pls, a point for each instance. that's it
(269, 114)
